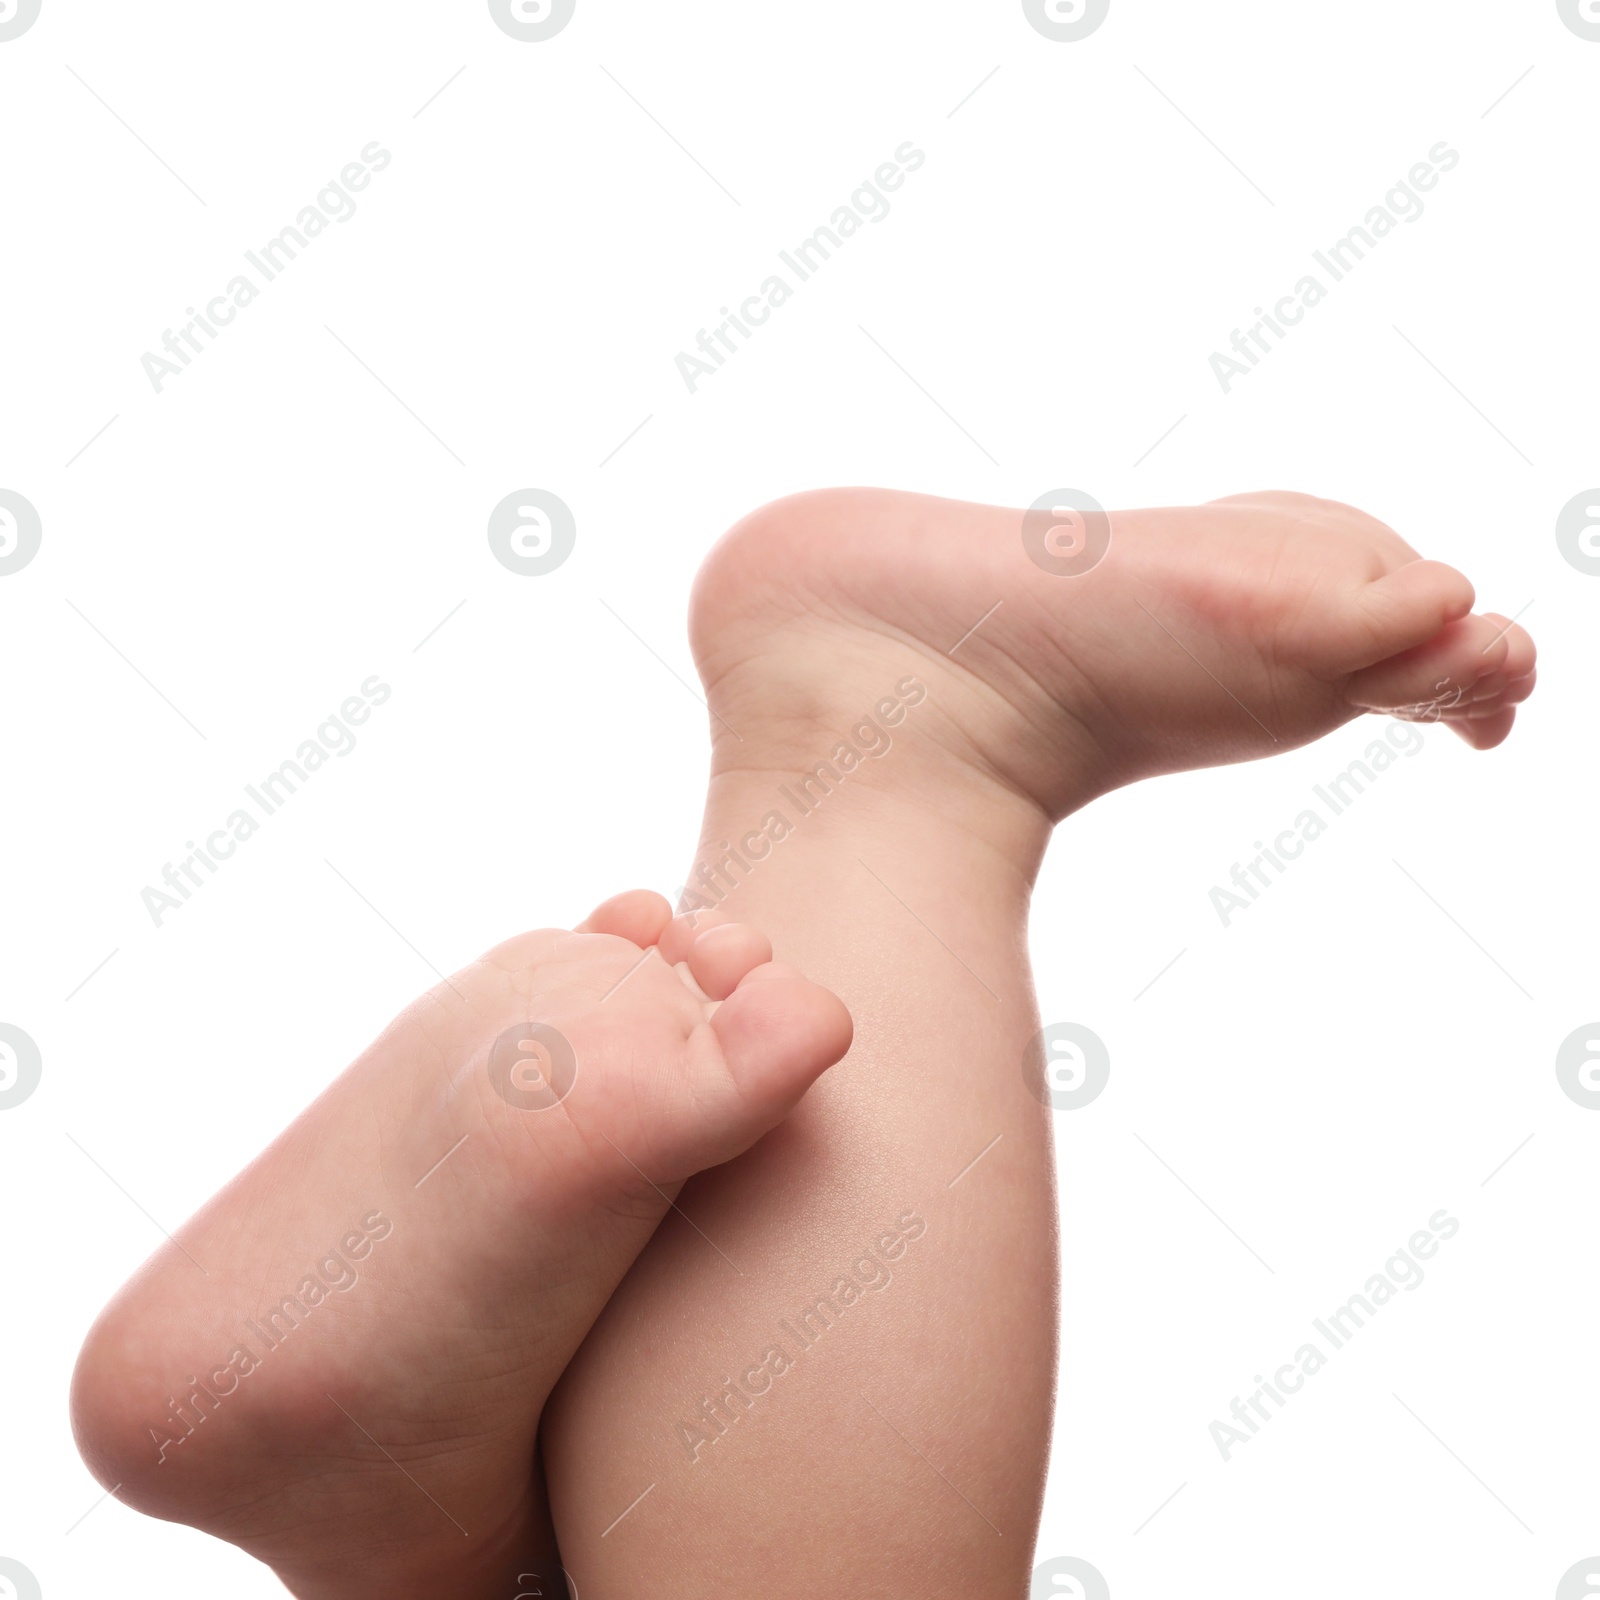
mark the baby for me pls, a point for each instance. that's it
(521, 1302)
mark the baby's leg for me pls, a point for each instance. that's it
(833, 1374)
(835, 1377)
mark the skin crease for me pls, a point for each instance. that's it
(904, 1451)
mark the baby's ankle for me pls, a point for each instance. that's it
(838, 812)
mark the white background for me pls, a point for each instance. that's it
(1366, 1045)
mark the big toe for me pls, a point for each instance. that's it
(1404, 609)
(778, 1034)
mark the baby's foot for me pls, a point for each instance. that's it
(339, 1364)
(1201, 635)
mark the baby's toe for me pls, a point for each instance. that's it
(681, 932)
(779, 1032)
(1404, 609)
(1485, 731)
(1436, 676)
(721, 956)
(1519, 689)
(1520, 651)
(639, 915)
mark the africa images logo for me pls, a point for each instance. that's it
(16, 17)
(532, 21)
